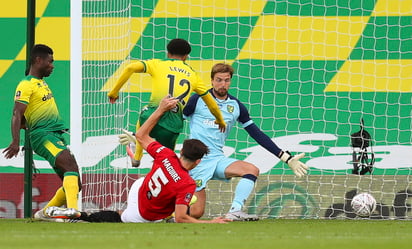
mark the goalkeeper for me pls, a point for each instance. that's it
(215, 165)
(169, 76)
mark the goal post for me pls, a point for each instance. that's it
(308, 72)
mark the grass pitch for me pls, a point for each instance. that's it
(288, 234)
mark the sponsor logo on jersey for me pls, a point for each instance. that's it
(211, 123)
(47, 97)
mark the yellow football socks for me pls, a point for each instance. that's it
(138, 153)
(58, 200)
(139, 150)
(71, 188)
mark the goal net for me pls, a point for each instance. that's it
(328, 78)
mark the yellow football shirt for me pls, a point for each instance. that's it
(41, 112)
(173, 77)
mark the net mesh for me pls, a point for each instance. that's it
(308, 72)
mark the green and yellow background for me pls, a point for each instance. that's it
(302, 67)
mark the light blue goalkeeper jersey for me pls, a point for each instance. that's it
(202, 122)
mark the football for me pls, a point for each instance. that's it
(363, 204)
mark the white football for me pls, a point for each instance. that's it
(363, 204)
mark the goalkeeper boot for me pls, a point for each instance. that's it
(40, 215)
(64, 213)
(241, 216)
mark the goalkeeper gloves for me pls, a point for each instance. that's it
(299, 168)
(127, 137)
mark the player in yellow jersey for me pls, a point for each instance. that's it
(36, 110)
(169, 76)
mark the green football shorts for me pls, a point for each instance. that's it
(48, 144)
(168, 128)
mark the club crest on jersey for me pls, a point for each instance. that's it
(198, 183)
(18, 94)
(230, 108)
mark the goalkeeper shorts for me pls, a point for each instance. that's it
(211, 167)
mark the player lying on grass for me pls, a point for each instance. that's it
(215, 165)
(168, 187)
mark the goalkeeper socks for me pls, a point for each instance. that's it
(242, 192)
(71, 188)
(58, 200)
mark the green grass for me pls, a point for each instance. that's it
(288, 234)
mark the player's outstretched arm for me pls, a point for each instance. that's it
(181, 216)
(137, 67)
(299, 168)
